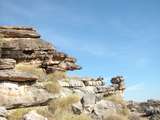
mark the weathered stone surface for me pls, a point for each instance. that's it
(117, 79)
(88, 101)
(15, 96)
(32, 115)
(101, 107)
(71, 83)
(18, 33)
(77, 108)
(93, 83)
(118, 84)
(11, 75)
(69, 66)
(3, 112)
(7, 64)
(25, 44)
(65, 92)
(89, 89)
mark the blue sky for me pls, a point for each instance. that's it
(108, 37)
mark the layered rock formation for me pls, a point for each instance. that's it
(95, 85)
(15, 91)
(24, 44)
(25, 90)
(92, 92)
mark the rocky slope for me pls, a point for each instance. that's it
(34, 84)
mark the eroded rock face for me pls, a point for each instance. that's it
(12, 75)
(92, 92)
(15, 96)
(95, 85)
(25, 44)
(7, 64)
(104, 107)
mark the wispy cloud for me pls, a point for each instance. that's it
(86, 47)
(135, 87)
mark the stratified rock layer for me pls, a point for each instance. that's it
(25, 44)
(7, 64)
(15, 96)
(11, 75)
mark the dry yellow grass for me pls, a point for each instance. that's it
(61, 109)
(52, 86)
(33, 69)
(63, 104)
(18, 114)
(116, 99)
(57, 75)
(70, 116)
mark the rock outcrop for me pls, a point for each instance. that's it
(15, 91)
(92, 92)
(24, 44)
(34, 90)
(95, 85)
(149, 109)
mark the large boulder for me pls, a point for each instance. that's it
(88, 101)
(14, 95)
(11, 75)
